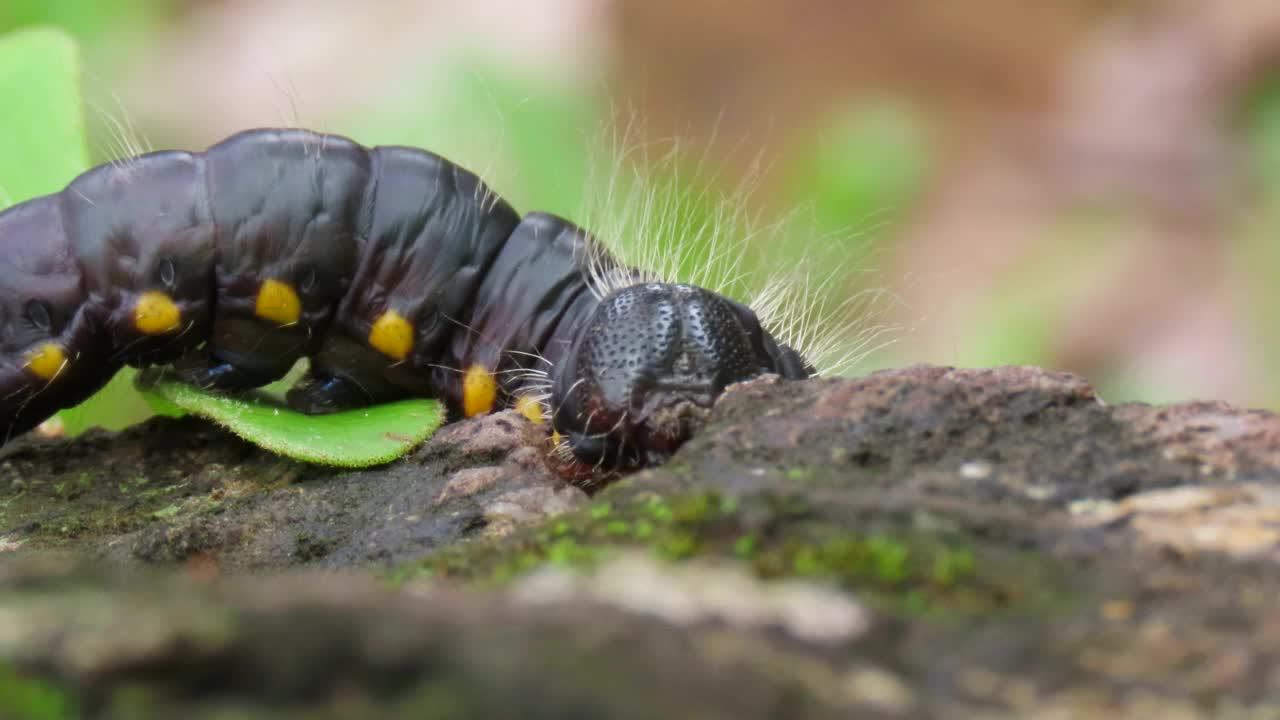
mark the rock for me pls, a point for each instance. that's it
(173, 490)
(924, 542)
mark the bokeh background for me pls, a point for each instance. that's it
(1089, 185)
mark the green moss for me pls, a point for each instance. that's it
(678, 546)
(798, 474)
(168, 512)
(437, 700)
(75, 505)
(953, 566)
(137, 483)
(898, 567)
(152, 493)
(26, 698)
(194, 506)
(133, 701)
(71, 488)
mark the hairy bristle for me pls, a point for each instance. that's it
(125, 142)
(663, 223)
(836, 337)
(664, 219)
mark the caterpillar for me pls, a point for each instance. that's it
(396, 272)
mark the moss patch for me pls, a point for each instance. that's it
(61, 504)
(898, 568)
(98, 507)
(27, 698)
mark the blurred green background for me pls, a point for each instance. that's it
(1084, 185)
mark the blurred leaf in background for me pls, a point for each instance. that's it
(526, 135)
(1259, 252)
(41, 149)
(1018, 319)
(546, 145)
(861, 169)
(106, 31)
(43, 143)
(110, 36)
(86, 20)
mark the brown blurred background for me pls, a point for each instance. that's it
(1083, 184)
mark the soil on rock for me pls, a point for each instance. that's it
(173, 490)
(925, 542)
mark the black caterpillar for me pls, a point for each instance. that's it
(397, 272)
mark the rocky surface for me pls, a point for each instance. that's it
(170, 491)
(925, 542)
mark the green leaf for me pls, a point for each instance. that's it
(43, 145)
(353, 439)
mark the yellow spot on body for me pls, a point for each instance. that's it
(278, 302)
(556, 437)
(46, 361)
(530, 408)
(479, 391)
(392, 335)
(156, 314)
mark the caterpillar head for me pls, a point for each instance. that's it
(648, 364)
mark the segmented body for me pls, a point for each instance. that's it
(397, 272)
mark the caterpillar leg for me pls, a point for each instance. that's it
(321, 394)
(347, 374)
(212, 374)
(243, 354)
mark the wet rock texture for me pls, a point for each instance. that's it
(925, 542)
